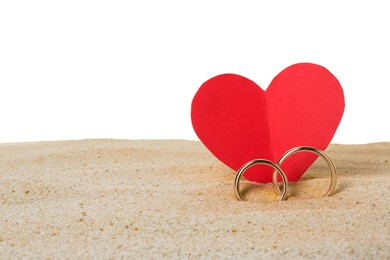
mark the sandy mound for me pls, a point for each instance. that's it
(153, 199)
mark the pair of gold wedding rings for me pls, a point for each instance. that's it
(277, 169)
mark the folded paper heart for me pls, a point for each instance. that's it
(239, 122)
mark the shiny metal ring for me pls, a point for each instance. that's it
(246, 166)
(332, 168)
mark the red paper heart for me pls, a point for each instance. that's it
(238, 121)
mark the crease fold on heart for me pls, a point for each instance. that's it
(238, 121)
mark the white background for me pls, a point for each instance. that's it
(121, 69)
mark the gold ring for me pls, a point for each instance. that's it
(333, 174)
(255, 162)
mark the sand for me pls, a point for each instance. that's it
(173, 199)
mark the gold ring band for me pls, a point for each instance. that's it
(246, 166)
(323, 155)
